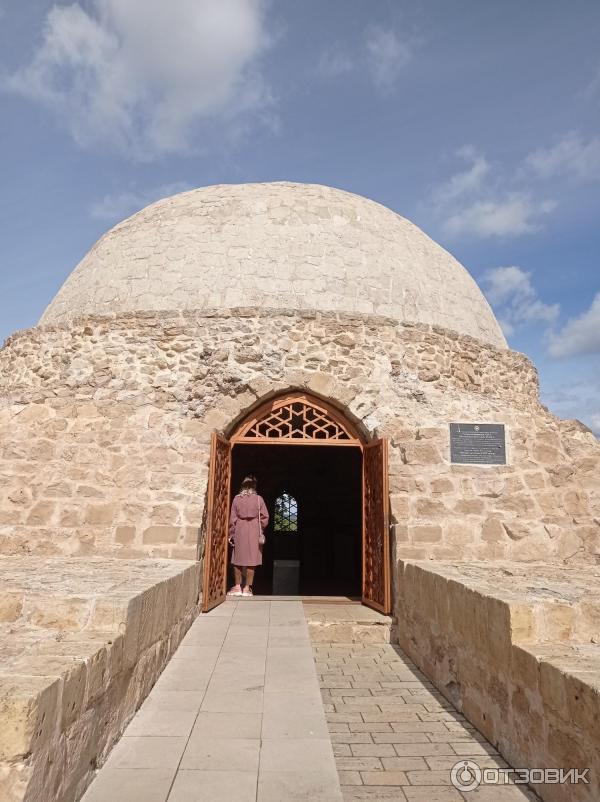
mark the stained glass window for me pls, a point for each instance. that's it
(285, 518)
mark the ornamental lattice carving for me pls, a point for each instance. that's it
(296, 419)
(215, 552)
(376, 569)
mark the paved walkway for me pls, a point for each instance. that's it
(394, 736)
(237, 715)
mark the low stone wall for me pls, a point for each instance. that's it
(516, 649)
(82, 642)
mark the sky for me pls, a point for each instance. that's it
(479, 121)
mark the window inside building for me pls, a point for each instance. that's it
(285, 518)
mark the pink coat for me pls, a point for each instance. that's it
(249, 516)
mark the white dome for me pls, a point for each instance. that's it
(280, 245)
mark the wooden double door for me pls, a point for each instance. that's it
(301, 420)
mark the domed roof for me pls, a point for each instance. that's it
(282, 245)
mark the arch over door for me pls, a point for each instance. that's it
(214, 587)
(296, 419)
(376, 588)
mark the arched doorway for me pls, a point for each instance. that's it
(299, 439)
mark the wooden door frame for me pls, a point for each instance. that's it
(247, 431)
(209, 601)
(385, 604)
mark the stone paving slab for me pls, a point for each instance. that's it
(237, 714)
(249, 709)
(395, 737)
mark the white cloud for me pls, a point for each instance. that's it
(569, 156)
(579, 398)
(116, 207)
(469, 180)
(580, 335)
(504, 283)
(511, 292)
(334, 61)
(479, 201)
(387, 54)
(143, 74)
(382, 55)
(592, 87)
(509, 216)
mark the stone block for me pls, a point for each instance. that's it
(131, 632)
(28, 711)
(493, 531)
(97, 514)
(125, 534)
(11, 606)
(165, 514)
(322, 383)
(41, 513)
(522, 623)
(553, 688)
(191, 535)
(582, 691)
(73, 694)
(546, 455)
(21, 495)
(399, 504)
(161, 534)
(59, 490)
(57, 612)
(470, 506)
(439, 486)
(109, 614)
(36, 413)
(425, 534)
(422, 453)
(11, 517)
(430, 508)
(97, 676)
(70, 517)
(526, 667)
(556, 621)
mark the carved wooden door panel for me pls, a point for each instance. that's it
(376, 590)
(214, 588)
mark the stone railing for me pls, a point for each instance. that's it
(516, 649)
(83, 642)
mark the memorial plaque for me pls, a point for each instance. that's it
(477, 444)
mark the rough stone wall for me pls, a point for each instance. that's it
(85, 478)
(105, 426)
(516, 649)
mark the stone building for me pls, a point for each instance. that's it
(327, 344)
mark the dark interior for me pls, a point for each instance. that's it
(326, 483)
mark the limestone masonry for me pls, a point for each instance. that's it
(105, 426)
(178, 323)
(82, 644)
(275, 245)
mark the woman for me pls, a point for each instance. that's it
(248, 519)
